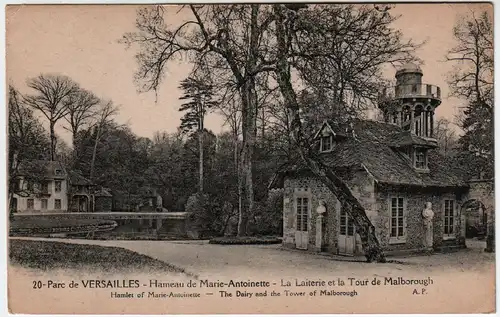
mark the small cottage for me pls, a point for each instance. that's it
(411, 196)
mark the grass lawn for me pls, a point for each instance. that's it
(47, 255)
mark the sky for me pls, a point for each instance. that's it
(81, 41)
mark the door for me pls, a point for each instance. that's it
(347, 234)
(302, 223)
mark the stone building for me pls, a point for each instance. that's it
(48, 191)
(391, 167)
(47, 186)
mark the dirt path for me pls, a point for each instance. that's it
(203, 259)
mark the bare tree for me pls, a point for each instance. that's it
(275, 41)
(446, 136)
(104, 117)
(228, 38)
(367, 30)
(472, 78)
(81, 108)
(52, 92)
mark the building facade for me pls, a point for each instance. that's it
(50, 193)
(57, 190)
(391, 167)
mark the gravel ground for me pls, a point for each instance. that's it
(203, 259)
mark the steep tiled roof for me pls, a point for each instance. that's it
(406, 138)
(51, 169)
(371, 145)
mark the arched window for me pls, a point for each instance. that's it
(428, 121)
(418, 118)
(405, 118)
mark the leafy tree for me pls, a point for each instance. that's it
(222, 38)
(166, 172)
(28, 142)
(250, 42)
(363, 27)
(198, 96)
(472, 80)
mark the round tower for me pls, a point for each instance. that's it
(411, 104)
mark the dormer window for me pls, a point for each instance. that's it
(326, 143)
(421, 159)
(58, 172)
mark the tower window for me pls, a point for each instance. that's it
(405, 118)
(420, 159)
(419, 120)
(327, 143)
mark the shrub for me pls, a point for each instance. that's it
(208, 214)
(268, 216)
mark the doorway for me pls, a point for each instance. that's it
(347, 234)
(302, 210)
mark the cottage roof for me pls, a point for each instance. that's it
(372, 145)
(405, 138)
(51, 169)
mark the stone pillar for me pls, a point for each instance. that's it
(432, 124)
(412, 119)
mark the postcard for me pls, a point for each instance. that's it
(250, 158)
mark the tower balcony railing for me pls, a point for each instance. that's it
(411, 91)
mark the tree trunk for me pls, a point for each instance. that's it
(249, 126)
(200, 141)
(52, 141)
(94, 153)
(76, 155)
(245, 170)
(366, 230)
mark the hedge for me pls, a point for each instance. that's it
(245, 240)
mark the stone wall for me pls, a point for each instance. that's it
(414, 226)
(376, 201)
(362, 187)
